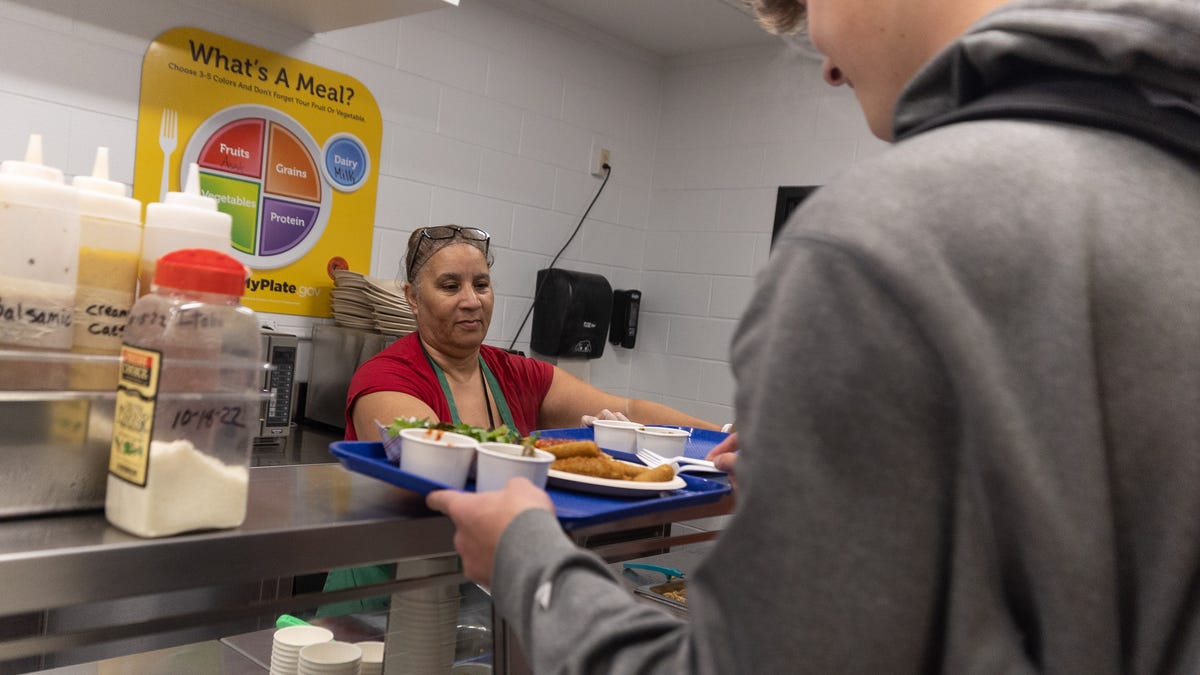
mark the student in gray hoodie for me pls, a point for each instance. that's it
(968, 383)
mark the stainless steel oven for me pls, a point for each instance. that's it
(275, 420)
(337, 352)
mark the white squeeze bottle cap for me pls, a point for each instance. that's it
(192, 212)
(33, 183)
(182, 220)
(103, 198)
(191, 192)
(32, 167)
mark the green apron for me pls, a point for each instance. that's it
(353, 577)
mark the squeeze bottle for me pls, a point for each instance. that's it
(110, 243)
(185, 219)
(39, 253)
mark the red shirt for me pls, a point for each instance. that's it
(402, 367)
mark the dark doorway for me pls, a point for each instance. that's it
(786, 201)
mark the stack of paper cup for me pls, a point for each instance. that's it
(422, 631)
(286, 646)
(330, 658)
(372, 658)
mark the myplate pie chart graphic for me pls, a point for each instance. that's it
(268, 173)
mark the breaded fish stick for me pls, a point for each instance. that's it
(597, 467)
(659, 474)
(607, 467)
(571, 449)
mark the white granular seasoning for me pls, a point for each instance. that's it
(185, 490)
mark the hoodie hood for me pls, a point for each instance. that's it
(1151, 44)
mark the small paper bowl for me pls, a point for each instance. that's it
(441, 456)
(496, 463)
(616, 435)
(292, 638)
(372, 651)
(331, 653)
(666, 441)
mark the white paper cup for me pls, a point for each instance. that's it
(665, 441)
(616, 435)
(372, 657)
(287, 643)
(330, 658)
(496, 463)
(441, 456)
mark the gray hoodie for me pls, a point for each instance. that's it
(968, 388)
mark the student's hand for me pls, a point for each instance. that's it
(724, 454)
(480, 518)
(603, 415)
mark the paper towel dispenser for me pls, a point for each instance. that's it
(571, 313)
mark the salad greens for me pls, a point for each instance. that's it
(501, 434)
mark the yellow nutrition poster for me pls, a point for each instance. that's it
(290, 150)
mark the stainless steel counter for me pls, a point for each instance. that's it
(301, 519)
(305, 444)
(210, 658)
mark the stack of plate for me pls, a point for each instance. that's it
(351, 307)
(393, 316)
(360, 301)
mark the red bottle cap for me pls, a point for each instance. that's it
(201, 269)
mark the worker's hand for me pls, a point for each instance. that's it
(725, 454)
(481, 517)
(605, 414)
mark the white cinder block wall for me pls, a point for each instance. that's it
(491, 112)
(734, 127)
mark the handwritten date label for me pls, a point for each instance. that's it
(206, 418)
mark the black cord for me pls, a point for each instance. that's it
(538, 290)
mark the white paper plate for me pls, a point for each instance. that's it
(397, 325)
(348, 295)
(386, 285)
(353, 311)
(391, 313)
(390, 302)
(351, 308)
(611, 486)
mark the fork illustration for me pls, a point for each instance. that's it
(168, 132)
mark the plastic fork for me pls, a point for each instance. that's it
(168, 139)
(681, 464)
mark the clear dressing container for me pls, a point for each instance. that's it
(39, 253)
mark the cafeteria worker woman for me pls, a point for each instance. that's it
(443, 371)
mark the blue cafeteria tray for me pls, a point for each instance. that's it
(574, 509)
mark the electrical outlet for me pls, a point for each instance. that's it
(603, 156)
